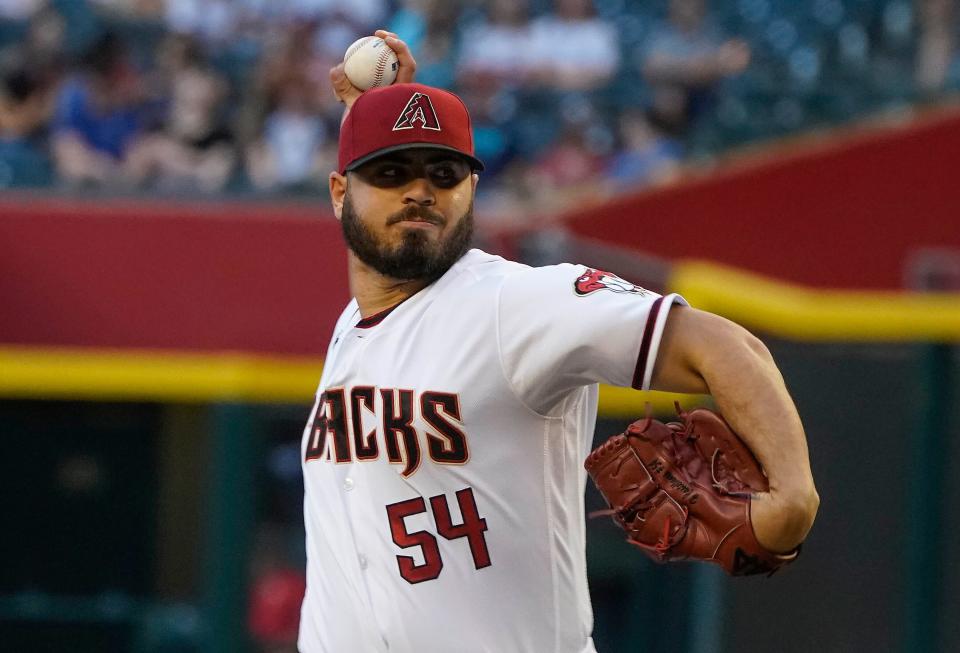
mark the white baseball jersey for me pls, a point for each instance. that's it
(443, 460)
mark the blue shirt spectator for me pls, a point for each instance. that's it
(645, 157)
(98, 116)
(107, 130)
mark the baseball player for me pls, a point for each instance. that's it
(443, 458)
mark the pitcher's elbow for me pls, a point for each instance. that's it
(802, 510)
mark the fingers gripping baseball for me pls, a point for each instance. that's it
(408, 65)
(348, 93)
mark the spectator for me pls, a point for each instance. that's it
(31, 71)
(499, 50)
(685, 60)
(567, 162)
(176, 53)
(645, 157)
(574, 50)
(409, 22)
(193, 150)
(937, 44)
(98, 116)
(24, 102)
(432, 24)
(495, 61)
(276, 592)
(45, 46)
(274, 609)
(361, 15)
(288, 114)
(294, 54)
(24, 110)
(295, 151)
(27, 96)
(340, 23)
(491, 114)
(568, 170)
(213, 21)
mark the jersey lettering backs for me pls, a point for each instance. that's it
(359, 425)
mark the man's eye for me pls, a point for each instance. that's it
(389, 175)
(446, 175)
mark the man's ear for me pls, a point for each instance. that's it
(338, 190)
(475, 179)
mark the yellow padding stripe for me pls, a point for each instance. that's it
(805, 314)
(137, 375)
(155, 376)
(630, 404)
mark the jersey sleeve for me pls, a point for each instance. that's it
(565, 326)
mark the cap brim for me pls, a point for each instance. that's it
(475, 163)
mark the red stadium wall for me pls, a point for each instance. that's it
(845, 211)
(170, 276)
(272, 279)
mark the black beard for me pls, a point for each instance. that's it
(416, 257)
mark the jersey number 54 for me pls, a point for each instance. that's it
(472, 528)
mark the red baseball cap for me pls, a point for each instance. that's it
(401, 117)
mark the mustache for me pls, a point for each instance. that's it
(416, 213)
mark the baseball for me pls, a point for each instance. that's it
(369, 62)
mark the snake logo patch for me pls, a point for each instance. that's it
(593, 280)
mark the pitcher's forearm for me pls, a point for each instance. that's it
(750, 393)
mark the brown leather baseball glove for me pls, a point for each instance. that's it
(682, 491)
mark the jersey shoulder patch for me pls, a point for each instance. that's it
(593, 280)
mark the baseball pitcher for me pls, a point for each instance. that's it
(447, 452)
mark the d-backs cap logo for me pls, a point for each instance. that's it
(593, 280)
(419, 109)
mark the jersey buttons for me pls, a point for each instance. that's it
(348, 484)
(362, 559)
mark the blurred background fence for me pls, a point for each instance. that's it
(170, 272)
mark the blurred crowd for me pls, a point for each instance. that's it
(570, 98)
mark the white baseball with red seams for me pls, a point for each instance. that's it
(369, 62)
(443, 460)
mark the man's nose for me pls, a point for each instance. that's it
(420, 191)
